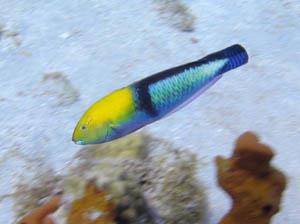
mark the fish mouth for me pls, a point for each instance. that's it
(79, 142)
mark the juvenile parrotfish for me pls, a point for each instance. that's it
(130, 108)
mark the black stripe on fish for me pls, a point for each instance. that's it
(144, 102)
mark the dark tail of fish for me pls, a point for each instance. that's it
(236, 55)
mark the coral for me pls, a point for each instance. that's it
(108, 165)
(129, 198)
(177, 14)
(95, 207)
(148, 179)
(170, 183)
(107, 158)
(40, 214)
(58, 88)
(253, 184)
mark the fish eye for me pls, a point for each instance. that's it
(83, 127)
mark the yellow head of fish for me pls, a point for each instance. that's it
(90, 129)
(103, 121)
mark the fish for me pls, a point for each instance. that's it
(148, 100)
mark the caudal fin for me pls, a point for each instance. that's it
(236, 56)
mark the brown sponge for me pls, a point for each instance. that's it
(253, 184)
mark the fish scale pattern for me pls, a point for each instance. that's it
(171, 92)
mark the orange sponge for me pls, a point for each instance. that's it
(40, 214)
(253, 184)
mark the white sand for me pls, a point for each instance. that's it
(103, 45)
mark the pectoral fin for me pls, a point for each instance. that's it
(113, 126)
(115, 129)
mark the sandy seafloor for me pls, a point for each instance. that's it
(103, 45)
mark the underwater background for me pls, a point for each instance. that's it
(58, 57)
